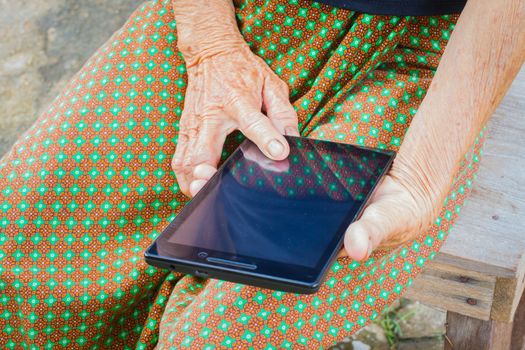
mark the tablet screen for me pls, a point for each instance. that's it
(288, 211)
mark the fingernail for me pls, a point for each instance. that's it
(275, 148)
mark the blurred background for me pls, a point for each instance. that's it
(43, 43)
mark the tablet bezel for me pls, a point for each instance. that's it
(268, 273)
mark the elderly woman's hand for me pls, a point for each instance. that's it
(403, 206)
(229, 91)
(468, 85)
(229, 88)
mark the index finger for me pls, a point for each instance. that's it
(258, 128)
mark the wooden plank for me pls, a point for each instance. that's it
(518, 330)
(507, 295)
(452, 288)
(465, 333)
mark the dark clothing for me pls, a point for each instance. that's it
(401, 7)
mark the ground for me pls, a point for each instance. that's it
(43, 43)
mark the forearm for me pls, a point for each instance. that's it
(485, 52)
(205, 27)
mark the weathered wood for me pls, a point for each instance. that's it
(466, 333)
(518, 331)
(452, 288)
(507, 295)
(486, 247)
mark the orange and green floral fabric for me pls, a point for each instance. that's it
(89, 186)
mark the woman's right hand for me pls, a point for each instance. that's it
(229, 90)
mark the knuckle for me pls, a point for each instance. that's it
(278, 85)
(182, 136)
(183, 124)
(253, 122)
(187, 111)
(382, 215)
(233, 100)
(178, 169)
(375, 214)
(191, 131)
(211, 118)
(187, 163)
(185, 128)
(176, 165)
(210, 107)
(286, 114)
(203, 170)
(283, 86)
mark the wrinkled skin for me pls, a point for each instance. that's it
(226, 92)
(231, 88)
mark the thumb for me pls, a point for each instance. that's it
(357, 241)
(389, 217)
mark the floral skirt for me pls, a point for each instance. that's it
(88, 187)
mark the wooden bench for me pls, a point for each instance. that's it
(478, 276)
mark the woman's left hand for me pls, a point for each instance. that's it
(394, 215)
(406, 202)
(474, 73)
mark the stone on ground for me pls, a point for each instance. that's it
(417, 320)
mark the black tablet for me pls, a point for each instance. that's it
(273, 224)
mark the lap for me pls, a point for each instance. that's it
(88, 187)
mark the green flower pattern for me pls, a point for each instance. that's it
(86, 189)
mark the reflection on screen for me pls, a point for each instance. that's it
(285, 211)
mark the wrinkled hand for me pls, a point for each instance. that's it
(230, 91)
(404, 205)
(446, 126)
